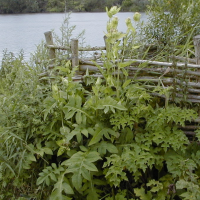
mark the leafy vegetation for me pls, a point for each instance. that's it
(100, 139)
(32, 6)
(172, 22)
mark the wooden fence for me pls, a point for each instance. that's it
(152, 72)
(183, 77)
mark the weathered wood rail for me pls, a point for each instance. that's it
(74, 48)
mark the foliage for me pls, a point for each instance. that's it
(67, 31)
(35, 6)
(97, 139)
(22, 6)
(134, 5)
(172, 22)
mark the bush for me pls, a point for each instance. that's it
(100, 139)
(172, 22)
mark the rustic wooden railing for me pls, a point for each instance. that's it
(181, 76)
(152, 72)
(184, 77)
(74, 48)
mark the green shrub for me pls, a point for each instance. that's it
(106, 138)
(172, 22)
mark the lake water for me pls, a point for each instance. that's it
(25, 31)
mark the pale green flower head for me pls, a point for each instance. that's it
(129, 24)
(112, 25)
(113, 11)
(65, 81)
(128, 21)
(137, 16)
(114, 22)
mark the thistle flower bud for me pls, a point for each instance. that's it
(129, 25)
(114, 22)
(65, 81)
(128, 21)
(114, 10)
(137, 16)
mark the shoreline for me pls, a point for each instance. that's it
(67, 12)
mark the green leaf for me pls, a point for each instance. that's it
(173, 161)
(48, 151)
(143, 194)
(83, 148)
(96, 137)
(197, 134)
(106, 109)
(115, 170)
(104, 146)
(69, 114)
(85, 132)
(74, 106)
(109, 102)
(60, 142)
(78, 118)
(48, 174)
(126, 83)
(125, 72)
(56, 195)
(61, 150)
(79, 131)
(90, 166)
(67, 188)
(10, 168)
(41, 179)
(31, 157)
(92, 156)
(181, 184)
(49, 104)
(62, 186)
(77, 181)
(92, 195)
(100, 132)
(155, 185)
(125, 64)
(81, 164)
(86, 174)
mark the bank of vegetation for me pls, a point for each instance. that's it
(37, 6)
(103, 138)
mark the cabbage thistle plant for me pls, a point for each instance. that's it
(106, 138)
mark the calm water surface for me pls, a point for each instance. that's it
(25, 31)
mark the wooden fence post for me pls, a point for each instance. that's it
(196, 41)
(49, 41)
(74, 49)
